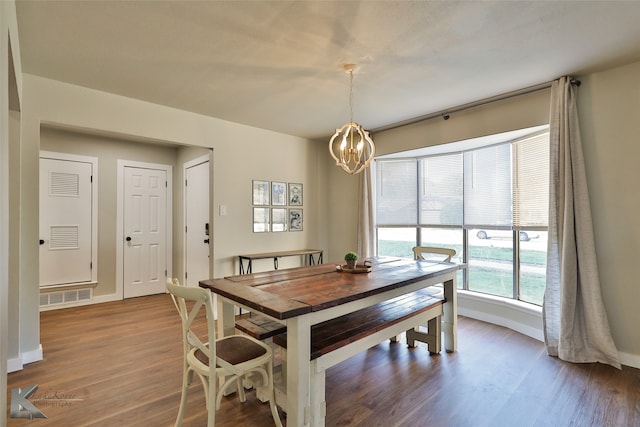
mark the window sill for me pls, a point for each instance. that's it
(516, 315)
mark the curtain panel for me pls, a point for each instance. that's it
(366, 234)
(576, 328)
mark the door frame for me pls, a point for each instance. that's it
(122, 164)
(186, 165)
(94, 208)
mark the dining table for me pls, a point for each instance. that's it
(305, 296)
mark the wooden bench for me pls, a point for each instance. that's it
(335, 340)
(260, 327)
(342, 331)
(338, 339)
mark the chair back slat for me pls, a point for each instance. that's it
(420, 251)
(201, 299)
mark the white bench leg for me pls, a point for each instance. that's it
(433, 336)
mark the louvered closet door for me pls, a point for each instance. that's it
(65, 222)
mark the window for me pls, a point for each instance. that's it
(487, 200)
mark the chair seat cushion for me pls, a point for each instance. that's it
(234, 349)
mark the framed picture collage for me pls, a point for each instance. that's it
(277, 206)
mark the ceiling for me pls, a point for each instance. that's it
(278, 65)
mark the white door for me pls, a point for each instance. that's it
(145, 231)
(197, 227)
(65, 222)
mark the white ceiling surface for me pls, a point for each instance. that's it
(278, 65)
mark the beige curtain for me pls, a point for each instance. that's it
(576, 328)
(366, 230)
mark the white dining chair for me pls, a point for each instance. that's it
(235, 356)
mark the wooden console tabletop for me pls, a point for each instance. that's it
(308, 254)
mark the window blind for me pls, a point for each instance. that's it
(503, 185)
(487, 186)
(531, 181)
(396, 190)
(441, 192)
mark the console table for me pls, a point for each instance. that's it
(308, 255)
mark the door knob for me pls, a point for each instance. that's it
(128, 238)
(206, 241)
(41, 242)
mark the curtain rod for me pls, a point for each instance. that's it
(445, 114)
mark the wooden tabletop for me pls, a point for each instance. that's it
(292, 292)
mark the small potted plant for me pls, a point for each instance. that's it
(351, 258)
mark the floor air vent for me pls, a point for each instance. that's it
(50, 299)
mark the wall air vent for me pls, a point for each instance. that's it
(65, 298)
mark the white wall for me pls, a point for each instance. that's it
(10, 97)
(609, 109)
(241, 153)
(108, 151)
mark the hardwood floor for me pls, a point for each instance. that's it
(118, 364)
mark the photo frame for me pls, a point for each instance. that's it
(295, 219)
(278, 219)
(261, 193)
(261, 220)
(279, 193)
(295, 194)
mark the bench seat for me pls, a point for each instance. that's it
(344, 330)
(260, 327)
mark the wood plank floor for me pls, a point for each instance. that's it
(118, 364)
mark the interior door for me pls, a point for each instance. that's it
(65, 221)
(197, 227)
(145, 246)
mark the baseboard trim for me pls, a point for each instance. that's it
(14, 364)
(17, 363)
(520, 317)
(33, 355)
(106, 298)
(631, 360)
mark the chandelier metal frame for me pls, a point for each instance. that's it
(351, 145)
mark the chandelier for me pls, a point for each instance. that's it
(351, 146)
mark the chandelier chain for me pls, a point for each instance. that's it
(351, 95)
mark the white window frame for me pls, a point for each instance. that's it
(470, 145)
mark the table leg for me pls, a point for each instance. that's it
(318, 403)
(450, 323)
(298, 370)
